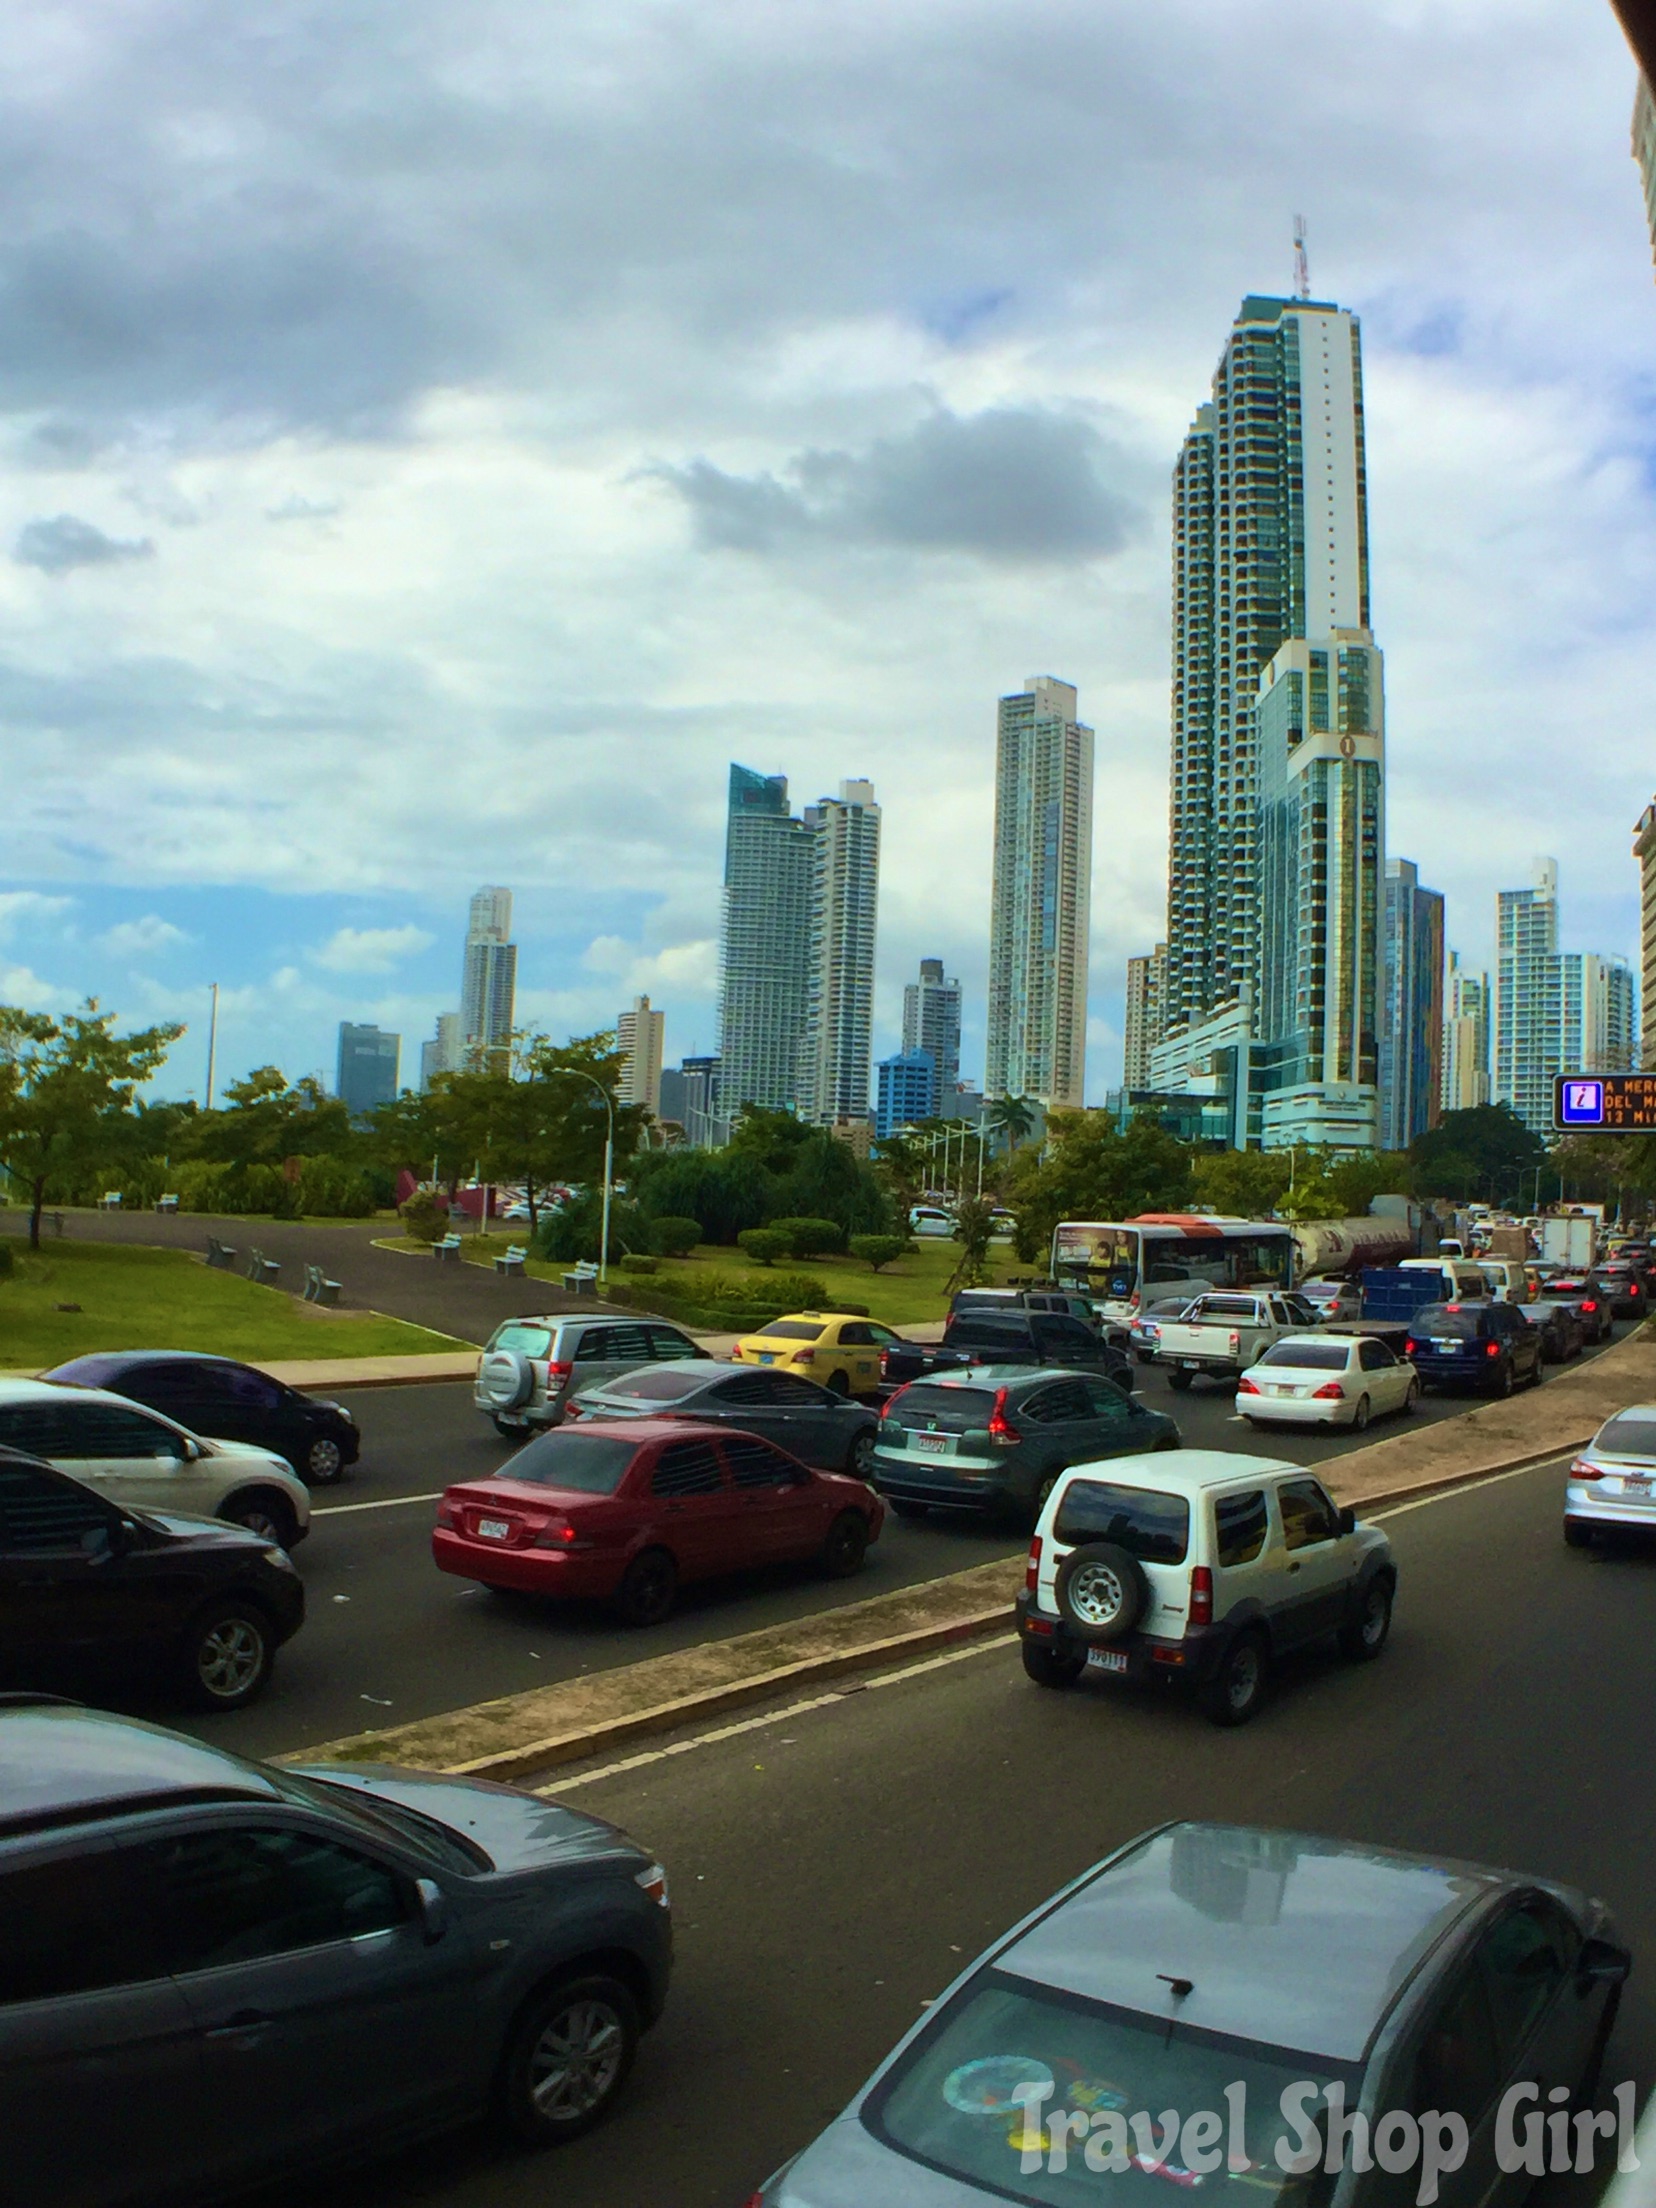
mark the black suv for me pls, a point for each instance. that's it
(1008, 1337)
(1487, 1346)
(227, 1401)
(216, 1974)
(89, 1590)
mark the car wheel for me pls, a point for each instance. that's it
(1577, 1535)
(648, 1589)
(1048, 1669)
(1360, 1416)
(1043, 1494)
(1101, 1591)
(906, 1509)
(1411, 1399)
(860, 1462)
(567, 2058)
(1503, 1380)
(1179, 1381)
(839, 1383)
(1536, 1374)
(270, 1516)
(846, 1545)
(324, 1462)
(225, 1658)
(507, 1431)
(1238, 1687)
(1363, 1635)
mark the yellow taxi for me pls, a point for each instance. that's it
(832, 1347)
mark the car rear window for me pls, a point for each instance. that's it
(1439, 1322)
(85, 1372)
(958, 1410)
(793, 1330)
(1148, 1524)
(991, 1328)
(1627, 1435)
(528, 1341)
(668, 1385)
(1309, 1356)
(591, 1464)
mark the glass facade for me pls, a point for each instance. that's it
(764, 945)
(907, 1091)
(1411, 1026)
(1555, 1011)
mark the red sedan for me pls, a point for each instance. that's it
(626, 1510)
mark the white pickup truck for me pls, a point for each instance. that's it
(1225, 1332)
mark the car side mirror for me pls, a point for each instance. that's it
(1348, 1520)
(1602, 1963)
(431, 1905)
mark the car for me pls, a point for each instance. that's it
(627, 1513)
(222, 1975)
(995, 1438)
(530, 1367)
(1485, 1346)
(841, 1350)
(1611, 1484)
(140, 1459)
(1326, 1379)
(1024, 1299)
(237, 1402)
(1583, 1292)
(811, 1423)
(1144, 1330)
(1624, 1285)
(1266, 1976)
(931, 1219)
(1561, 1326)
(1009, 1337)
(1334, 1301)
(1205, 1567)
(93, 1590)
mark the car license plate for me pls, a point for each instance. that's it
(1191, 1364)
(1635, 1483)
(767, 1357)
(1446, 1349)
(934, 1445)
(1106, 1659)
(494, 1529)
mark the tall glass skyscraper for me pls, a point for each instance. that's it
(1041, 905)
(1555, 1011)
(836, 1062)
(1465, 1038)
(1411, 1029)
(931, 1022)
(489, 984)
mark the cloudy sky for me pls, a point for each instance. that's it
(434, 442)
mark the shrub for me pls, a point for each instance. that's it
(764, 1244)
(425, 1217)
(810, 1237)
(878, 1250)
(800, 1292)
(636, 1262)
(674, 1236)
(575, 1229)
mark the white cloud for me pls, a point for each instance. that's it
(143, 938)
(28, 907)
(371, 950)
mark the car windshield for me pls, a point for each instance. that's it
(956, 1408)
(955, 2101)
(439, 1842)
(1146, 1523)
(1629, 1434)
(591, 1464)
(666, 1384)
(1441, 1320)
(792, 1330)
(528, 1341)
(1309, 1356)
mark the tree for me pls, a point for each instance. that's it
(878, 1250)
(267, 1119)
(1011, 1116)
(1092, 1169)
(974, 1228)
(1242, 1184)
(66, 1095)
(1485, 1152)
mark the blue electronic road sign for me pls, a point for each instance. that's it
(1580, 1103)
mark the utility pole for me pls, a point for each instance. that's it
(212, 1044)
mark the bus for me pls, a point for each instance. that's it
(1120, 1264)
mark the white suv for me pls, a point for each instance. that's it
(1203, 1566)
(532, 1366)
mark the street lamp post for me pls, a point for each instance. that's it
(609, 1168)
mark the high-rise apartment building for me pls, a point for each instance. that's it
(907, 1091)
(367, 1072)
(1411, 1031)
(836, 1061)
(1644, 150)
(1597, 1016)
(1277, 821)
(445, 1052)
(640, 1035)
(1644, 850)
(1145, 1014)
(1465, 1038)
(1555, 1011)
(1041, 902)
(489, 984)
(931, 1022)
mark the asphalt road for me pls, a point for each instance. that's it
(389, 1638)
(832, 1869)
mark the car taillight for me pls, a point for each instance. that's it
(559, 1535)
(1246, 1387)
(1333, 1393)
(1201, 1595)
(1492, 1349)
(892, 1400)
(1589, 1305)
(1581, 1468)
(559, 1368)
(1410, 1346)
(1032, 1570)
(654, 1883)
(446, 1515)
(999, 1429)
(803, 1357)
(1451, 1307)
(1235, 1341)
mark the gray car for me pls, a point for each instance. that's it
(811, 1423)
(1258, 1979)
(530, 1367)
(216, 1973)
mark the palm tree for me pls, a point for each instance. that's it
(1011, 1116)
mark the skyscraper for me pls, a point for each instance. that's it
(836, 1060)
(1411, 1032)
(1040, 909)
(489, 985)
(1465, 1039)
(1555, 1011)
(764, 945)
(931, 1022)
(445, 1052)
(1277, 799)
(1597, 1020)
(907, 1091)
(640, 1035)
(1146, 1005)
(1644, 850)
(1644, 150)
(367, 1073)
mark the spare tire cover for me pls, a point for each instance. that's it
(506, 1379)
(1102, 1592)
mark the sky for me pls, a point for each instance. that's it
(434, 443)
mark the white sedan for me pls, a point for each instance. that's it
(1326, 1380)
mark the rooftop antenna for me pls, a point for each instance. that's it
(1302, 268)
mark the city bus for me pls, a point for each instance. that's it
(1121, 1264)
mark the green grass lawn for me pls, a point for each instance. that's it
(133, 1298)
(907, 1291)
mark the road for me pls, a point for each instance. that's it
(832, 1868)
(389, 1638)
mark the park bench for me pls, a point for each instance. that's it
(582, 1279)
(262, 1268)
(219, 1254)
(514, 1259)
(166, 1203)
(448, 1247)
(318, 1287)
(110, 1200)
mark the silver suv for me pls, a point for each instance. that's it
(532, 1366)
(1203, 1566)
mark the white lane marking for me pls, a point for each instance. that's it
(1471, 1487)
(773, 1717)
(388, 1502)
